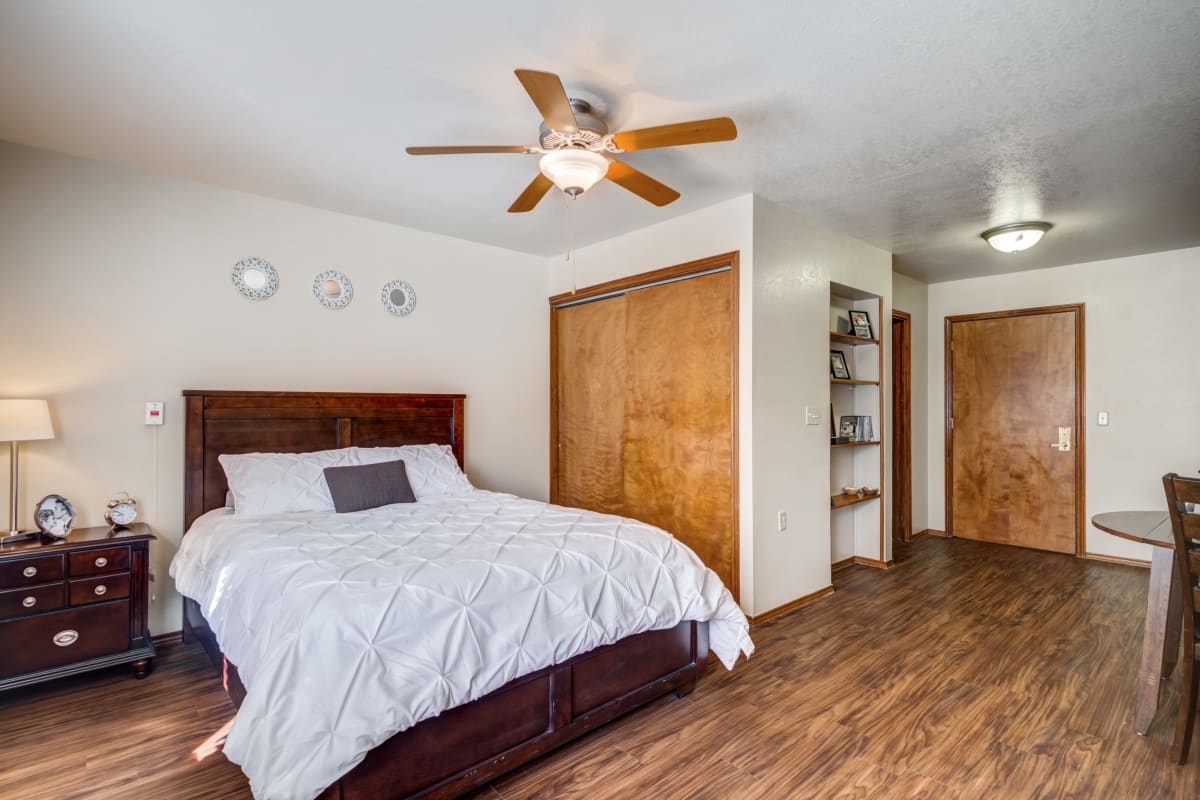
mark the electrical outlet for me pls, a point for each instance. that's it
(154, 412)
(782, 521)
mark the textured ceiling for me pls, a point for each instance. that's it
(910, 124)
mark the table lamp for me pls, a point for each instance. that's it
(21, 421)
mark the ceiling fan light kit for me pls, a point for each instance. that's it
(1016, 237)
(574, 144)
(573, 170)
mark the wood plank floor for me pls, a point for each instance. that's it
(969, 670)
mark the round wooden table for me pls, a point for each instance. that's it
(1160, 636)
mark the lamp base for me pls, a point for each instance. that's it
(18, 536)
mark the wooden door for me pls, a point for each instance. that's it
(643, 404)
(901, 426)
(1013, 380)
(678, 414)
(589, 361)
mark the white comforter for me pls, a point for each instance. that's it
(347, 628)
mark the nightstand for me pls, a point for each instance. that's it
(74, 605)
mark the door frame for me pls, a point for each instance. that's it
(902, 421)
(600, 291)
(1080, 461)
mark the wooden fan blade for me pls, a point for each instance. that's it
(548, 94)
(468, 149)
(641, 184)
(533, 194)
(718, 129)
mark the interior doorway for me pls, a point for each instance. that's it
(1014, 433)
(901, 426)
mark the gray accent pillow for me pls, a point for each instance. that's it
(363, 486)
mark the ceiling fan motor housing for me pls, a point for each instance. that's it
(590, 135)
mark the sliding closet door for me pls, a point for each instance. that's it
(642, 405)
(590, 365)
(678, 414)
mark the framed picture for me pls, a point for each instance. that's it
(837, 365)
(848, 427)
(860, 324)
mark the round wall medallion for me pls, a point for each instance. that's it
(333, 289)
(398, 297)
(255, 278)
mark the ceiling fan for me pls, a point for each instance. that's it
(574, 144)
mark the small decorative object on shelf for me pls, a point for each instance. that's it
(121, 511)
(55, 516)
(848, 429)
(839, 440)
(837, 365)
(860, 324)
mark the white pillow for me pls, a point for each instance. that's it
(282, 483)
(432, 468)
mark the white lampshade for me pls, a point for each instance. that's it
(573, 169)
(24, 420)
(1016, 237)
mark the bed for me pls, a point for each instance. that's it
(467, 745)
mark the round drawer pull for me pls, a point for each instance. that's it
(29, 602)
(101, 562)
(29, 572)
(100, 590)
(66, 638)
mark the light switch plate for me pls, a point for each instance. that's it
(812, 415)
(1102, 418)
(154, 412)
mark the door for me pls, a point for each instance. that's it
(1014, 445)
(643, 404)
(901, 426)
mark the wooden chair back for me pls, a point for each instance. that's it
(1186, 527)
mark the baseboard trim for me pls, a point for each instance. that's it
(167, 639)
(845, 562)
(786, 607)
(1129, 562)
(932, 532)
(872, 562)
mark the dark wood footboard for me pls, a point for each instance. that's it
(470, 745)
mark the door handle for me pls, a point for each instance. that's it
(1063, 445)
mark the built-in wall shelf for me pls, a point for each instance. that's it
(858, 535)
(845, 500)
(853, 341)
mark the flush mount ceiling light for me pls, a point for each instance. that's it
(574, 170)
(1016, 237)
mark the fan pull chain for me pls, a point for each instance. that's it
(571, 238)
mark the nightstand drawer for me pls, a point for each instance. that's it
(97, 562)
(34, 600)
(30, 571)
(84, 591)
(51, 640)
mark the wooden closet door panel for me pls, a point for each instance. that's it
(678, 414)
(1014, 384)
(591, 405)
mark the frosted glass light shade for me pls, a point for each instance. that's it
(573, 170)
(25, 420)
(1016, 237)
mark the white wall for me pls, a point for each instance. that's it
(1140, 364)
(909, 294)
(720, 228)
(794, 262)
(117, 291)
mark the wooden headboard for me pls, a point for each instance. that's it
(298, 422)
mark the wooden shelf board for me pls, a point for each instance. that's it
(844, 500)
(854, 382)
(853, 341)
(856, 444)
